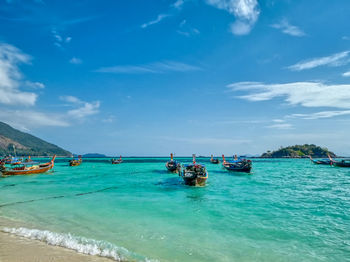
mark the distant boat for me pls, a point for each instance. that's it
(214, 160)
(76, 162)
(321, 161)
(173, 165)
(117, 161)
(237, 165)
(341, 163)
(194, 174)
(28, 168)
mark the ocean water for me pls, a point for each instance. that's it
(286, 210)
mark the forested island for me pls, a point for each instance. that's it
(299, 151)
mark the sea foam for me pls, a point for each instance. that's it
(79, 244)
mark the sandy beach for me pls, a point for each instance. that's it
(19, 249)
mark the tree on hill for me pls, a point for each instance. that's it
(299, 151)
(13, 141)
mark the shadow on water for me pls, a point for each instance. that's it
(162, 171)
(171, 183)
(196, 194)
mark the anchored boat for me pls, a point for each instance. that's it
(173, 165)
(341, 163)
(237, 165)
(117, 161)
(321, 161)
(28, 168)
(194, 174)
(76, 162)
(214, 160)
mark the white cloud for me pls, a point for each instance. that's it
(346, 74)
(156, 21)
(156, 67)
(85, 108)
(186, 29)
(75, 61)
(283, 126)
(109, 119)
(27, 119)
(34, 85)
(71, 99)
(323, 114)
(337, 59)
(307, 94)
(178, 4)
(10, 77)
(246, 13)
(288, 29)
(59, 40)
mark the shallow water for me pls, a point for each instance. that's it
(287, 210)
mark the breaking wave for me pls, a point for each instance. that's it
(79, 244)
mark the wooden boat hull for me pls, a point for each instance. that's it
(245, 168)
(215, 161)
(116, 162)
(41, 169)
(193, 179)
(75, 163)
(173, 168)
(319, 162)
(198, 181)
(341, 164)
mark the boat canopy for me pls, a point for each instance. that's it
(188, 165)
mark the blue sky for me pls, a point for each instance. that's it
(184, 76)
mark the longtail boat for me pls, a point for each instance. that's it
(194, 174)
(321, 161)
(76, 162)
(117, 161)
(340, 163)
(173, 165)
(214, 160)
(237, 165)
(29, 168)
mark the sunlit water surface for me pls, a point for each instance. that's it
(287, 210)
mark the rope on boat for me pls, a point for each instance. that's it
(53, 197)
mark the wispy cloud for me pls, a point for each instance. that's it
(75, 61)
(156, 67)
(288, 29)
(27, 119)
(323, 114)
(178, 4)
(34, 85)
(337, 59)
(307, 94)
(10, 77)
(84, 108)
(246, 13)
(60, 40)
(282, 126)
(159, 18)
(346, 74)
(187, 30)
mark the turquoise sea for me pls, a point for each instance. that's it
(287, 210)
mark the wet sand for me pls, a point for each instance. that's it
(19, 249)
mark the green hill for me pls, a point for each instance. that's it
(26, 144)
(299, 151)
